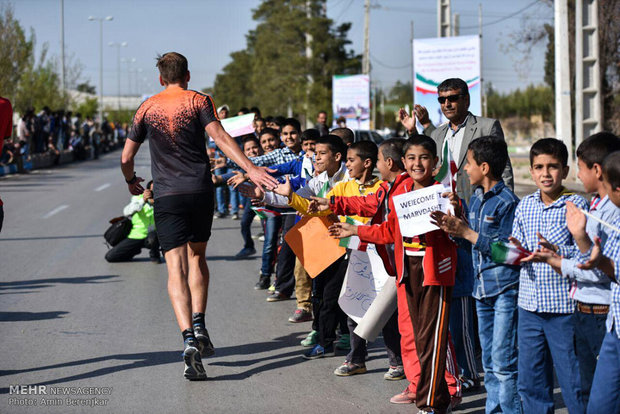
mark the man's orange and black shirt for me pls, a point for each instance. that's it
(174, 121)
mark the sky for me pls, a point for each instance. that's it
(207, 31)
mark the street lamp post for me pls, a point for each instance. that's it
(129, 61)
(100, 20)
(118, 46)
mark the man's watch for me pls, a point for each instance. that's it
(133, 180)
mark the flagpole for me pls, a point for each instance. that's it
(604, 223)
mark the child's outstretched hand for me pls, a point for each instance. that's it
(342, 230)
(455, 202)
(284, 189)
(251, 191)
(236, 179)
(544, 243)
(595, 256)
(453, 225)
(318, 204)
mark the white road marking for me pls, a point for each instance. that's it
(102, 187)
(56, 211)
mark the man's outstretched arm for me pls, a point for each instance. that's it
(129, 153)
(227, 144)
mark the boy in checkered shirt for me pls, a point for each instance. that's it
(546, 327)
(604, 397)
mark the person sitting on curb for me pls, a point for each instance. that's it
(142, 234)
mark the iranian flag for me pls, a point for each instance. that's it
(265, 213)
(352, 242)
(508, 253)
(448, 170)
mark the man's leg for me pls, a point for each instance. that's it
(535, 380)
(560, 335)
(198, 276)
(178, 286)
(124, 251)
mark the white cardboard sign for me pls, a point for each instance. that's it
(415, 207)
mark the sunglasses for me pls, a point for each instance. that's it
(451, 98)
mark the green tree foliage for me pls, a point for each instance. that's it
(39, 85)
(86, 88)
(534, 100)
(15, 53)
(273, 71)
(88, 107)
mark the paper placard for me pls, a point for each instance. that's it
(364, 280)
(239, 125)
(414, 210)
(381, 310)
(312, 244)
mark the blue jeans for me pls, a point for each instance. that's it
(547, 340)
(497, 326)
(272, 227)
(235, 199)
(605, 397)
(220, 193)
(246, 224)
(589, 335)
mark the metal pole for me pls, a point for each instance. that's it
(366, 57)
(483, 96)
(118, 61)
(100, 70)
(412, 67)
(563, 121)
(62, 49)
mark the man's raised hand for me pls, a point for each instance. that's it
(407, 121)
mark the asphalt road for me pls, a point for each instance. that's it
(70, 319)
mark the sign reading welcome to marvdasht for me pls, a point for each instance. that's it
(415, 207)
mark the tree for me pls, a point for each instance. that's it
(273, 71)
(86, 88)
(88, 107)
(15, 53)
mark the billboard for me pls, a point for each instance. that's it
(440, 58)
(351, 100)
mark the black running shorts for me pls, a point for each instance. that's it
(183, 218)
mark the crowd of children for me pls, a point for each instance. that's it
(555, 306)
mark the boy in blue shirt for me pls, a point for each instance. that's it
(605, 397)
(491, 214)
(590, 288)
(546, 331)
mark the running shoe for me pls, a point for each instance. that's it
(311, 339)
(344, 342)
(204, 342)
(194, 371)
(300, 315)
(395, 373)
(349, 368)
(405, 397)
(277, 297)
(318, 352)
(245, 252)
(263, 282)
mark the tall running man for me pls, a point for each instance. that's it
(175, 121)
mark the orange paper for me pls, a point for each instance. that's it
(312, 244)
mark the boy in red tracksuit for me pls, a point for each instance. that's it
(426, 265)
(390, 165)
